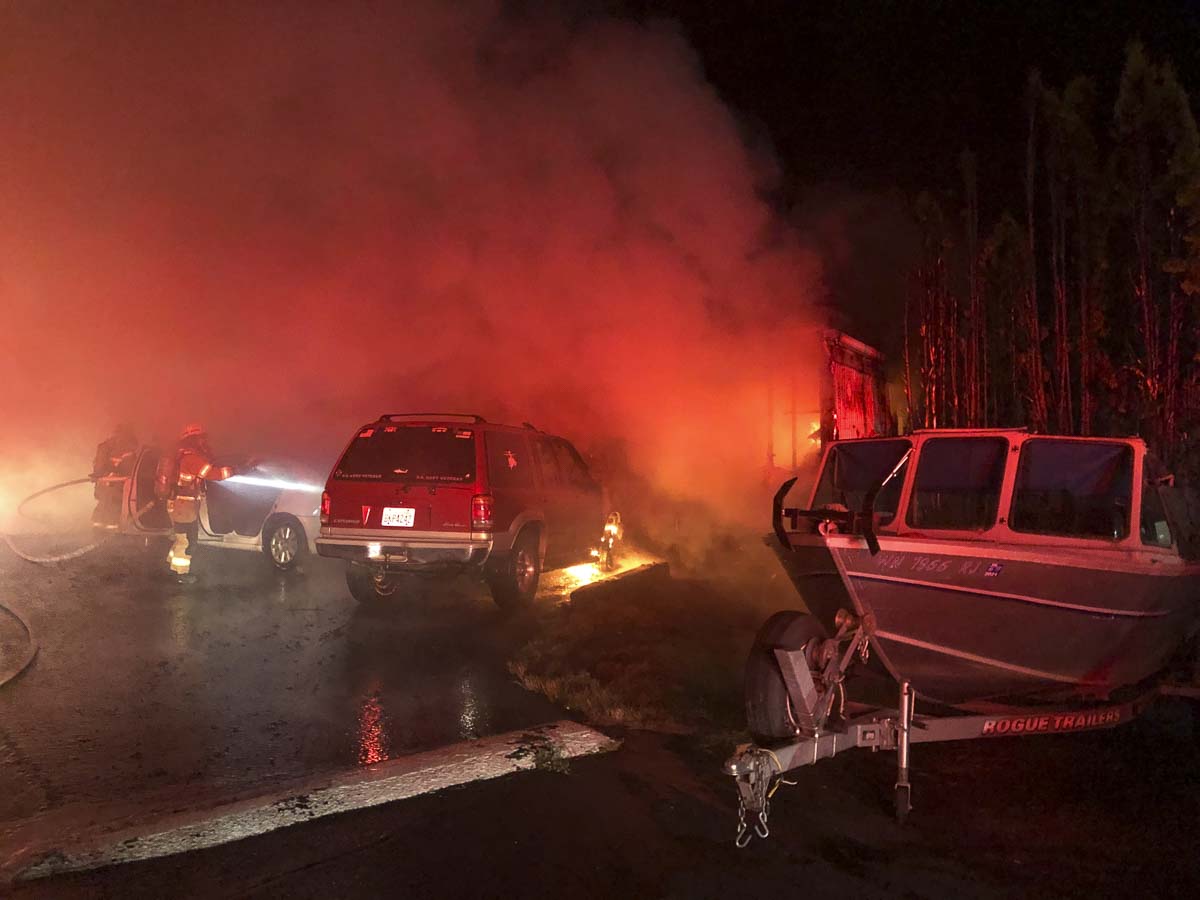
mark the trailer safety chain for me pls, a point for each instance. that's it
(754, 796)
(744, 832)
(73, 554)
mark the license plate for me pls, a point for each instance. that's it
(398, 516)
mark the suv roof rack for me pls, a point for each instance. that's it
(452, 417)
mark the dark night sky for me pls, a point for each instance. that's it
(864, 104)
(886, 94)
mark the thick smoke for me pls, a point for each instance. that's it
(285, 219)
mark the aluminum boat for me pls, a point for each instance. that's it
(999, 566)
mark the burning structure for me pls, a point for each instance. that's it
(841, 394)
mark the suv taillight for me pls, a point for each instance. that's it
(324, 507)
(481, 512)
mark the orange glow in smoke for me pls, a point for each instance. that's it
(611, 281)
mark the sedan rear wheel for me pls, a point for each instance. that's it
(285, 543)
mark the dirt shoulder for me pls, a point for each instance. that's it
(653, 650)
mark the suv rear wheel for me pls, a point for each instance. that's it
(515, 584)
(368, 586)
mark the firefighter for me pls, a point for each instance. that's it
(181, 479)
(114, 462)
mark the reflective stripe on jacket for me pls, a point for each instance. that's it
(193, 470)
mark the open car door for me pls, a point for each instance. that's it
(238, 508)
(153, 520)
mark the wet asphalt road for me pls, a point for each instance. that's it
(155, 697)
(1095, 815)
(147, 694)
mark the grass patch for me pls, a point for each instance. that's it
(664, 655)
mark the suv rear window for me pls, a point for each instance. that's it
(444, 454)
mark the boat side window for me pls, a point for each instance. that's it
(958, 483)
(852, 469)
(1073, 488)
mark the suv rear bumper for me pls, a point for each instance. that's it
(413, 551)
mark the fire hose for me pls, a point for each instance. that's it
(73, 554)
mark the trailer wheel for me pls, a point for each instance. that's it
(768, 712)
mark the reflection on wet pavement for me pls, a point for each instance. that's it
(146, 686)
(474, 719)
(371, 738)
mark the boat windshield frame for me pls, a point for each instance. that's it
(1000, 530)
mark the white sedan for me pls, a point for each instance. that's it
(273, 508)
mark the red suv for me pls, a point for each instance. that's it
(436, 493)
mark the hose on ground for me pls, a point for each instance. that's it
(55, 558)
(73, 554)
(13, 665)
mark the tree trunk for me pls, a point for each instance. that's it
(908, 399)
(1058, 275)
(1083, 277)
(974, 365)
(1037, 390)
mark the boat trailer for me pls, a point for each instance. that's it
(823, 732)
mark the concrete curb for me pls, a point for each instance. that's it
(542, 746)
(10, 668)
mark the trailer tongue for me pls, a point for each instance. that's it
(758, 771)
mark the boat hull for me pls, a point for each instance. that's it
(966, 622)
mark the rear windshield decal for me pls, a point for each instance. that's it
(435, 454)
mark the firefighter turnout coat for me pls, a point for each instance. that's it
(114, 457)
(193, 467)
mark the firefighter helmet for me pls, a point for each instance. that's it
(193, 430)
